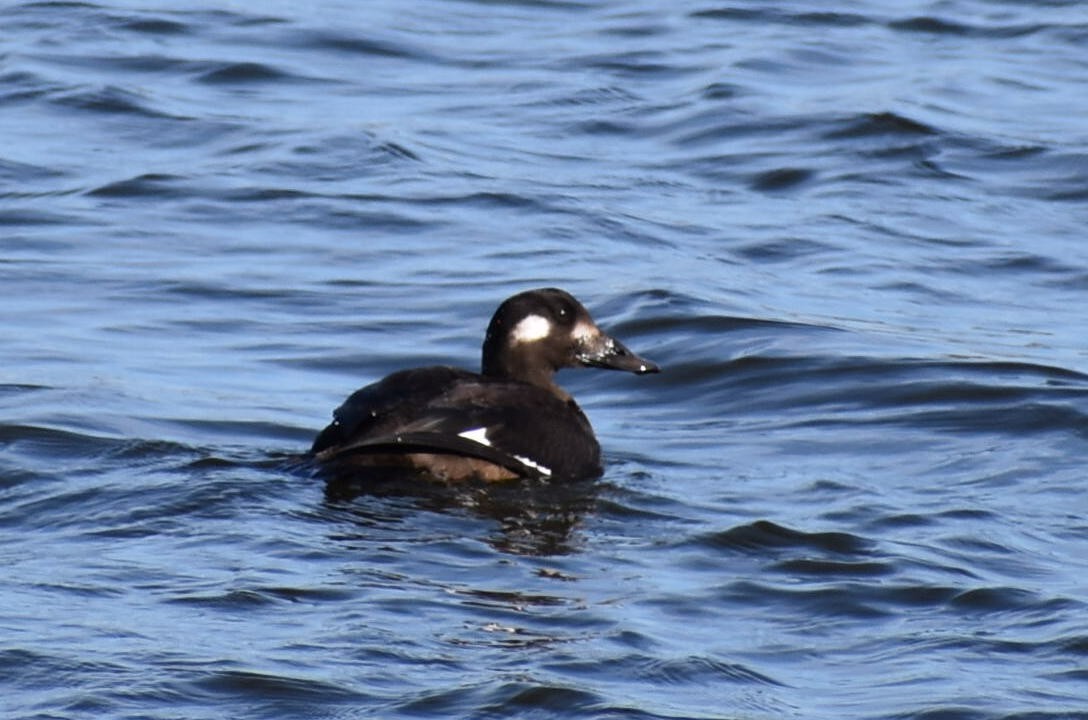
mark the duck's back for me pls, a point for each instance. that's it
(457, 424)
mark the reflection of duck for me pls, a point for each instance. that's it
(509, 421)
(522, 517)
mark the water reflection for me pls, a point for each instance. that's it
(533, 517)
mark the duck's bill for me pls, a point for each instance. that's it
(607, 352)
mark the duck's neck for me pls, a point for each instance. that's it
(512, 366)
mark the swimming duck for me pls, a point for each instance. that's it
(510, 420)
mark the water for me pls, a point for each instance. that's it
(852, 235)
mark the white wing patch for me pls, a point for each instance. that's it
(543, 470)
(478, 435)
(531, 328)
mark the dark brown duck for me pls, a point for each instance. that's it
(510, 420)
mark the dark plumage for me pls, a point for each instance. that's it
(511, 420)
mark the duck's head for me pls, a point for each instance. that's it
(535, 333)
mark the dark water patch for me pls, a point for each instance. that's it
(832, 569)
(832, 19)
(523, 697)
(1077, 645)
(606, 127)
(21, 86)
(243, 73)
(844, 600)
(696, 670)
(143, 63)
(877, 124)
(113, 101)
(1078, 676)
(45, 15)
(348, 43)
(487, 201)
(18, 172)
(156, 26)
(978, 545)
(55, 443)
(563, 6)
(724, 91)
(1077, 195)
(241, 600)
(397, 150)
(933, 292)
(996, 599)
(635, 64)
(35, 218)
(785, 16)
(603, 95)
(34, 670)
(690, 671)
(157, 185)
(636, 30)
(505, 699)
(931, 25)
(907, 596)
(632, 510)
(58, 5)
(212, 289)
(1015, 153)
(946, 712)
(967, 514)
(266, 687)
(866, 599)
(81, 592)
(713, 127)
(1045, 173)
(269, 194)
(19, 389)
(906, 520)
(783, 249)
(781, 179)
(765, 536)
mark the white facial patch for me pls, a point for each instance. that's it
(479, 435)
(584, 331)
(531, 328)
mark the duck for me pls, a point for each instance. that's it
(508, 421)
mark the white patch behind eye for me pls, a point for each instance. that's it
(478, 435)
(531, 328)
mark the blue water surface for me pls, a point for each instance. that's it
(853, 235)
